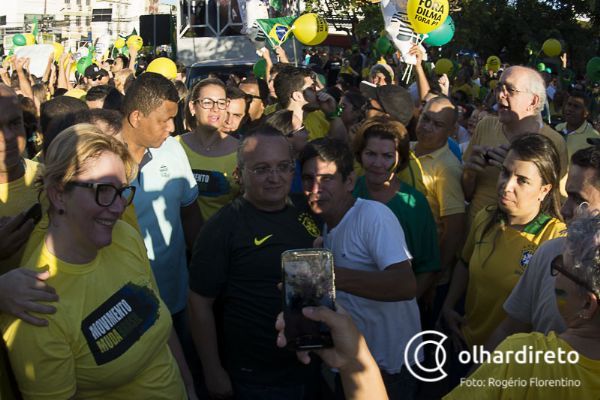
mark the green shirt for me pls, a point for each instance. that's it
(412, 210)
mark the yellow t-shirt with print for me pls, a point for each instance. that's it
(532, 381)
(108, 337)
(496, 262)
(214, 175)
(441, 176)
(489, 133)
(16, 197)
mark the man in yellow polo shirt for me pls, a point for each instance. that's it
(441, 175)
(520, 96)
(576, 129)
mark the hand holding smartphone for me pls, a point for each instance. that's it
(308, 281)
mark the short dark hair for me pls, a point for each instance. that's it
(98, 92)
(123, 58)
(147, 93)
(114, 100)
(588, 157)
(281, 120)
(263, 87)
(330, 150)
(288, 81)
(383, 128)
(580, 94)
(57, 107)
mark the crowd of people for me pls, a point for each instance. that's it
(142, 224)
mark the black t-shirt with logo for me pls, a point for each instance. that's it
(237, 260)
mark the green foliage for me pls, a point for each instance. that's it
(494, 27)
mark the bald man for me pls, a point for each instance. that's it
(441, 175)
(520, 96)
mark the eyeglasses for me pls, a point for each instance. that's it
(557, 266)
(297, 132)
(208, 104)
(508, 90)
(252, 97)
(106, 194)
(280, 169)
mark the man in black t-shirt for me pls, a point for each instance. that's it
(237, 260)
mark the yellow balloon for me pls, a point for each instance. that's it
(426, 15)
(58, 50)
(135, 41)
(493, 63)
(119, 43)
(310, 29)
(552, 47)
(164, 66)
(443, 66)
(29, 39)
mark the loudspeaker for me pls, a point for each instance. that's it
(156, 29)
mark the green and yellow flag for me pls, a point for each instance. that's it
(276, 30)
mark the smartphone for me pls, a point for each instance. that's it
(308, 281)
(34, 213)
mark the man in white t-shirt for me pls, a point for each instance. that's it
(373, 277)
(532, 303)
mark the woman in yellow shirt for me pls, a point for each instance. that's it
(574, 367)
(211, 152)
(111, 335)
(503, 238)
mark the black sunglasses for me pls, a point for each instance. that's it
(106, 194)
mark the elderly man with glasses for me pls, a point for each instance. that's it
(520, 98)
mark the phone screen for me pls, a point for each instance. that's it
(308, 281)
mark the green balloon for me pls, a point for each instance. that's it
(541, 67)
(592, 70)
(19, 40)
(443, 34)
(260, 69)
(383, 45)
(82, 64)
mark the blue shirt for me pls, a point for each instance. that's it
(164, 184)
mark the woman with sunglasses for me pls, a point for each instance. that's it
(503, 238)
(211, 152)
(111, 335)
(573, 370)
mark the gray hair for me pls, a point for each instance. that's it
(583, 248)
(536, 85)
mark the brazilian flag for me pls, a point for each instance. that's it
(276, 30)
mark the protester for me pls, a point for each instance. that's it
(373, 275)
(503, 238)
(381, 146)
(210, 150)
(577, 273)
(166, 192)
(531, 305)
(576, 129)
(234, 273)
(521, 96)
(120, 324)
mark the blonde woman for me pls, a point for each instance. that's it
(111, 335)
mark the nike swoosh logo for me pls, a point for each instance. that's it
(258, 242)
